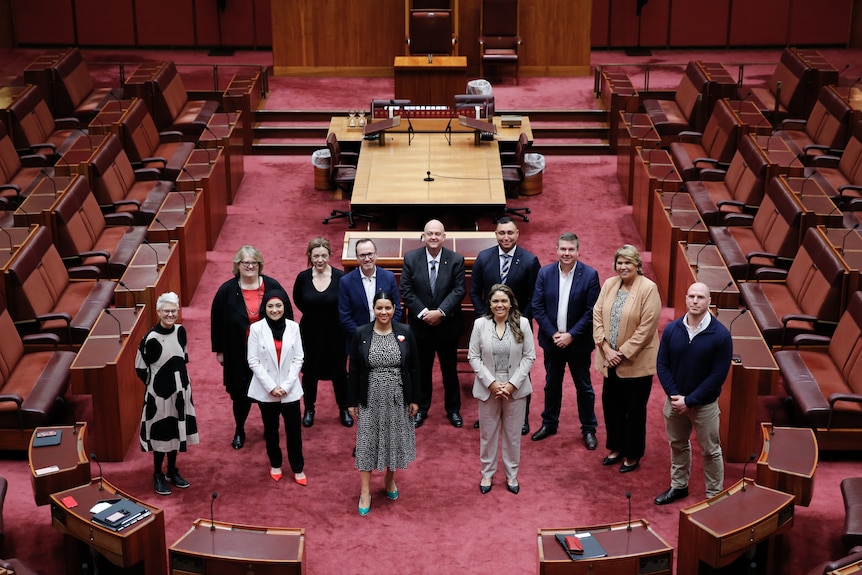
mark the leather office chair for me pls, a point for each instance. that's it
(342, 172)
(35, 131)
(499, 40)
(514, 172)
(83, 237)
(826, 130)
(712, 148)
(43, 298)
(431, 32)
(807, 298)
(148, 148)
(770, 237)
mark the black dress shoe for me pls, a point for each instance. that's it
(455, 419)
(513, 488)
(346, 419)
(671, 495)
(419, 419)
(590, 441)
(525, 429)
(485, 488)
(308, 418)
(627, 468)
(611, 460)
(238, 441)
(476, 425)
(543, 432)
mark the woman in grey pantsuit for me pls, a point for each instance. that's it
(501, 353)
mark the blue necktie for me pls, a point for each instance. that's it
(504, 267)
(432, 275)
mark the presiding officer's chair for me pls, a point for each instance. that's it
(499, 40)
(431, 32)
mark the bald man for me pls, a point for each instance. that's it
(693, 360)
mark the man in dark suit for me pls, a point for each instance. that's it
(357, 288)
(510, 264)
(563, 308)
(433, 285)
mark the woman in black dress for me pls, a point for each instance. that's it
(168, 422)
(315, 293)
(384, 383)
(235, 307)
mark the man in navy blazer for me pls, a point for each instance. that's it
(433, 285)
(520, 268)
(357, 288)
(563, 308)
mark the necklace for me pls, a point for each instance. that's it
(253, 313)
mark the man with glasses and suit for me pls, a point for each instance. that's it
(356, 290)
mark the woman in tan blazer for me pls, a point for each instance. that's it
(501, 353)
(625, 322)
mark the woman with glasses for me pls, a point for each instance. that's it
(235, 307)
(315, 293)
(168, 421)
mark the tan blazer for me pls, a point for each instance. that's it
(638, 333)
(481, 357)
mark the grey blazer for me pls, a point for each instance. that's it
(481, 358)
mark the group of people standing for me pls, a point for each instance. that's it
(271, 360)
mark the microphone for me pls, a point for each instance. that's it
(730, 283)
(120, 330)
(212, 517)
(843, 238)
(853, 85)
(742, 102)
(185, 204)
(194, 180)
(735, 358)
(410, 131)
(9, 237)
(123, 285)
(47, 177)
(805, 181)
(647, 133)
(838, 205)
(87, 134)
(96, 459)
(666, 176)
(200, 146)
(428, 177)
(751, 458)
(629, 497)
(448, 130)
(156, 253)
(167, 229)
(694, 225)
(769, 139)
(669, 207)
(697, 256)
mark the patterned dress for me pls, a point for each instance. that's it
(168, 418)
(385, 436)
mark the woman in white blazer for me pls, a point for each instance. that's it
(275, 357)
(501, 353)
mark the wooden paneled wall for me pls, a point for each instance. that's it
(362, 37)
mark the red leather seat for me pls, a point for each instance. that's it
(670, 117)
(716, 145)
(173, 111)
(826, 130)
(793, 75)
(147, 147)
(34, 129)
(75, 93)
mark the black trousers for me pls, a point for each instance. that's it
(270, 411)
(339, 386)
(624, 402)
(447, 350)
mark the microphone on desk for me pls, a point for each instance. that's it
(751, 458)
(769, 139)
(86, 133)
(735, 358)
(120, 331)
(669, 207)
(697, 256)
(212, 517)
(718, 295)
(850, 88)
(410, 130)
(156, 253)
(428, 177)
(843, 238)
(9, 237)
(123, 285)
(185, 203)
(838, 205)
(629, 497)
(161, 223)
(189, 174)
(666, 176)
(47, 177)
(744, 98)
(96, 459)
(694, 225)
(199, 145)
(647, 133)
(805, 181)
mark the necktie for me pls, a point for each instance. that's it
(506, 261)
(432, 275)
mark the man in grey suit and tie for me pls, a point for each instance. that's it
(510, 264)
(432, 286)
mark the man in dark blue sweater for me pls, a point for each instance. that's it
(693, 360)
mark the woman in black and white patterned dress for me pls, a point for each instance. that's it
(168, 422)
(384, 384)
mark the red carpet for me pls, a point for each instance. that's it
(441, 523)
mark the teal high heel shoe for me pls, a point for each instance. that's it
(363, 511)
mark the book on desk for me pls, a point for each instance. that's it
(121, 514)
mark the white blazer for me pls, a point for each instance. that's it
(481, 357)
(268, 372)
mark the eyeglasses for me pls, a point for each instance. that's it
(169, 311)
(367, 256)
(250, 264)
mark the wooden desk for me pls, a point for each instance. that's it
(225, 130)
(752, 373)
(9, 244)
(59, 467)
(788, 460)
(467, 178)
(77, 159)
(109, 118)
(675, 219)
(139, 547)
(720, 531)
(206, 171)
(782, 159)
(146, 279)
(751, 119)
(617, 95)
(653, 170)
(233, 549)
(813, 195)
(243, 97)
(633, 552)
(855, 567)
(182, 220)
(105, 369)
(432, 83)
(338, 125)
(703, 263)
(848, 245)
(38, 206)
(635, 130)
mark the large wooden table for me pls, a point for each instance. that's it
(633, 552)
(105, 369)
(139, 548)
(392, 178)
(227, 549)
(433, 82)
